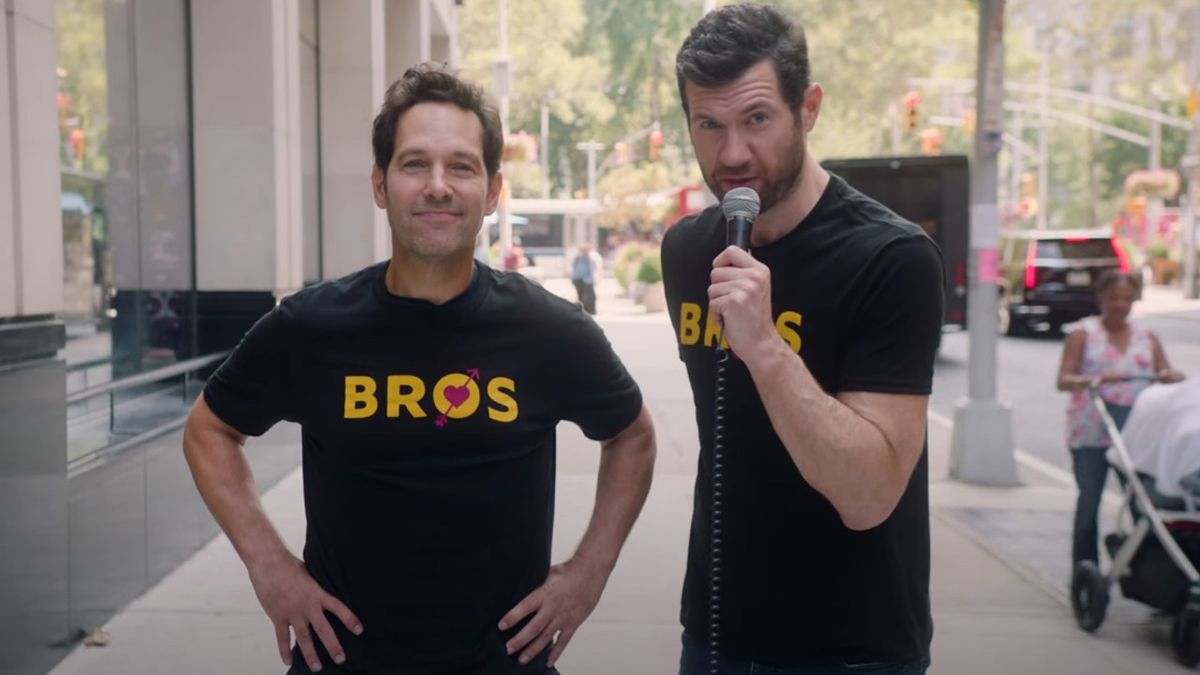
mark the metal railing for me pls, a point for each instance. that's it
(85, 367)
(111, 389)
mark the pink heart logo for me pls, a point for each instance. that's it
(457, 395)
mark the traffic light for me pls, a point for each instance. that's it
(1193, 101)
(969, 121)
(931, 141)
(656, 144)
(78, 145)
(912, 113)
(621, 148)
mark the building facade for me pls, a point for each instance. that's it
(168, 170)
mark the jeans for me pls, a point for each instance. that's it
(694, 661)
(1091, 470)
(587, 295)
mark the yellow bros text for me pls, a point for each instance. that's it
(455, 395)
(691, 316)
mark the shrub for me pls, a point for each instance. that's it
(627, 263)
(650, 271)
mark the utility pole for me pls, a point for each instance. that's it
(503, 92)
(1018, 163)
(1191, 164)
(544, 151)
(982, 450)
(1154, 163)
(893, 115)
(591, 148)
(1043, 142)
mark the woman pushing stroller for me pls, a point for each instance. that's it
(1118, 358)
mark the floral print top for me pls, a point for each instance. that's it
(1085, 428)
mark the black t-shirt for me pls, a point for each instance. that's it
(857, 292)
(428, 451)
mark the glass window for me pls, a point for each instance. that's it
(125, 158)
(83, 125)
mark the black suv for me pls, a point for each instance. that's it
(1047, 277)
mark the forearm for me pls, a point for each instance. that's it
(843, 455)
(1075, 382)
(626, 469)
(226, 483)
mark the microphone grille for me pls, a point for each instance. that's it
(741, 202)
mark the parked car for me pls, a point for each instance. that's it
(1047, 277)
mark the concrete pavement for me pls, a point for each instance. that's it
(999, 607)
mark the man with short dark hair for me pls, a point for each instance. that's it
(818, 519)
(428, 389)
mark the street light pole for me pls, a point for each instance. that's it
(503, 92)
(1154, 162)
(1043, 142)
(544, 151)
(1191, 165)
(591, 148)
(982, 446)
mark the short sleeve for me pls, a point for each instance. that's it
(600, 395)
(672, 279)
(895, 322)
(248, 391)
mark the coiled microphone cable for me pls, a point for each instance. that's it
(740, 206)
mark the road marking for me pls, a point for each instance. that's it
(1029, 461)
(1113, 497)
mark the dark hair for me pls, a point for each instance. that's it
(433, 82)
(729, 40)
(1111, 277)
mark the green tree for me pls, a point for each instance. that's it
(640, 41)
(1133, 52)
(637, 197)
(83, 82)
(863, 81)
(547, 67)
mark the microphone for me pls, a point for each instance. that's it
(740, 206)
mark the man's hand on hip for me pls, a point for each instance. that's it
(293, 599)
(559, 606)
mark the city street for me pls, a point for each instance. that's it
(999, 554)
(1026, 370)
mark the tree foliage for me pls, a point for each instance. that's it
(1130, 52)
(547, 66)
(610, 64)
(83, 82)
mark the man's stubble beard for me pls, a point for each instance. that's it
(778, 188)
(416, 248)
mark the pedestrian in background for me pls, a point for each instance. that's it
(1119, 359)
(586, 268)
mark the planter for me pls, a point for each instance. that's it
(654, 298)
(1164, 270)
(636, 290)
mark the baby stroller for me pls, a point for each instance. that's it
(1156, 547)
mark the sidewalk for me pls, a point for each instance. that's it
(999, 600)
(1166, 300)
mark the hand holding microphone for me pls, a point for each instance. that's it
(739, 295)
